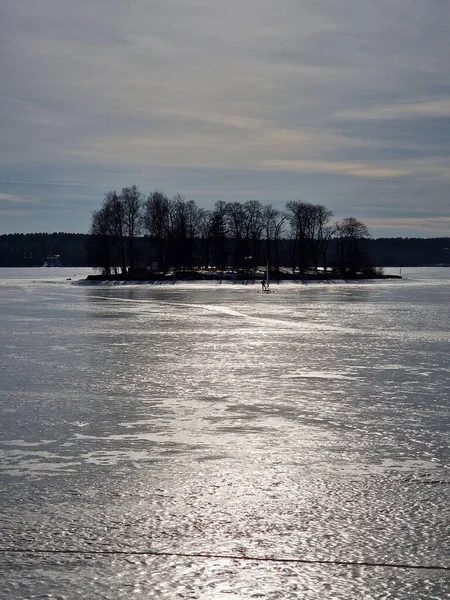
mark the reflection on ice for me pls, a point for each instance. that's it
(315, 375)
(311, 423)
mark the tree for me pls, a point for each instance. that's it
(205, 237)
(131, 200)
(318, 234)
(193, 227)
(116, 217)
(107, 244)
(99, 243)
(300, 215)
(254, 226)
(219, 234)
(273, 223)
(352, 236)
(183, 229)
(236, 219)
(156, 224)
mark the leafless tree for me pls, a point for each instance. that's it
(236, 219)
(219, 234)
(156, 224)
(300, 215)
(131, 199)
(273, 222)
(318, 233)
(352, 235)
(183, 228)
(99, 244)
(205, 218)
(254, 226)
(108, 224)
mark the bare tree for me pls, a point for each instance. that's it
(116, 213)
(236, 219)
(183, 229)
(352, 236)
(318, 234)
(156, 224)
(326, 237)
(108, 224)
(205, 218)
(300, 215)
(99, 244)
(193, 222)
(273, 223)
(219, 233)
(254, 226)
(131, 199)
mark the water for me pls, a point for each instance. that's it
(212, 419)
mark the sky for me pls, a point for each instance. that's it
(344, 103)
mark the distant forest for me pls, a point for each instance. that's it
(130, 233)
(31, 249)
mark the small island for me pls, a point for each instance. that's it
(138, 238)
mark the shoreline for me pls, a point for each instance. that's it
(229, 278)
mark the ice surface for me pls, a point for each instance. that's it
(311, 423)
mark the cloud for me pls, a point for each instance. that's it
(15, 199)
(339, 168)
(438, 226)
(6, 212)
(318, 96)
(437, 109)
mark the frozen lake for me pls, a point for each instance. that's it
(143, 426)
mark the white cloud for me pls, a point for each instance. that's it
(421, 108)
(16, 199)
(438, 226)
(353, 169)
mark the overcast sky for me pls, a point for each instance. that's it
(345, 103)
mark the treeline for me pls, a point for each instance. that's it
(410, 252)
(27, 250)
(31, 249)
(130, 232)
